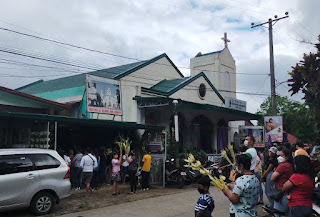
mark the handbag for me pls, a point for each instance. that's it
(276, 194)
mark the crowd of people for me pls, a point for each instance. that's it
(96, 168)
(287, 173)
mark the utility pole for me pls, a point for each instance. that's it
(271, 22)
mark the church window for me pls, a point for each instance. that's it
(202, 91)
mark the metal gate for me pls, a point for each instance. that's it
(157, 169)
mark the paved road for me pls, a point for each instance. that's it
(177, 205)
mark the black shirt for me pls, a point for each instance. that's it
(273, 161)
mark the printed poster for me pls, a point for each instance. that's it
(103, 95)
(273, 126)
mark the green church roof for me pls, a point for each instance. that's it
(75, 80)
(167, 85)
(79, 80)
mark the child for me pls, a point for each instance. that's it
(115, 177)
(205, 203)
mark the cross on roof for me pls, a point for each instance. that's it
(226, 40)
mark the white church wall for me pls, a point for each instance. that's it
(220, 68)
(144, 77)
(227, 71)
(131, 87)
(209, 64)
(190, 93)
(152, 74)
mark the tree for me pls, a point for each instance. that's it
(296, 117)
(305, 77)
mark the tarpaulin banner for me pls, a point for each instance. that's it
(273, 128)
(103, 95)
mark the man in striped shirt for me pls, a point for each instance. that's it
(205, 203)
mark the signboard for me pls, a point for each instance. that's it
(256, 131)
(235, 104)
(103, 95)
(155, 147)
(273, 126)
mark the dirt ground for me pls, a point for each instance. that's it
(79, 201)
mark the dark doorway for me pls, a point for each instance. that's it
(222, 134)
(203, 129)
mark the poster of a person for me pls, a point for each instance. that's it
(270, 125)
(273, 128)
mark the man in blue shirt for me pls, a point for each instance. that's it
(205, 203)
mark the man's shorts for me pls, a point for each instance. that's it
(86, 177)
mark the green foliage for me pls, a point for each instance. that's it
(305, 77)
(201, 155)
(296, 117)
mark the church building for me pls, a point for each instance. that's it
(151, 92)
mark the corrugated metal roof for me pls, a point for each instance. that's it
(76, 80)
(34, 98)
(167, 85)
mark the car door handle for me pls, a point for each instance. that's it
(30, 176)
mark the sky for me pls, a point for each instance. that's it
(127, 31)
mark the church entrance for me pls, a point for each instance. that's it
(203, 129)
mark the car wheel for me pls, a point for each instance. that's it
(42, 203)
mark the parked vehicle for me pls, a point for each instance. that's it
(174, 176)
(34, 178)
(192, 176)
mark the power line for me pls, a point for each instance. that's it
(107, 53)
(114, 73)
(77, 72)
(40, 58)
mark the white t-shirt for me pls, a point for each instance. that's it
(88, 162)
(125, 162)
(67, 159)
(253, 153)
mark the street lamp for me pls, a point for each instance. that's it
(176, 131)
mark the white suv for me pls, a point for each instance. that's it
(35, 178)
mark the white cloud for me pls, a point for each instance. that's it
(143, 29)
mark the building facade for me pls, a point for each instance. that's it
(148, 89)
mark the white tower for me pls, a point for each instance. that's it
(219, 67)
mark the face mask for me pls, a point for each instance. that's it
(238, 170)
(201, 191)
(246, 143)
(281, 159)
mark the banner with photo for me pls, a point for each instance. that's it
(103, 95)
(255, 131)
(274, 128)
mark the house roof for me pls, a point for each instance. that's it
(78, 80)
(34, 98)
(168, 87)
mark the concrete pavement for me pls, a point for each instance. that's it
(176, 205)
